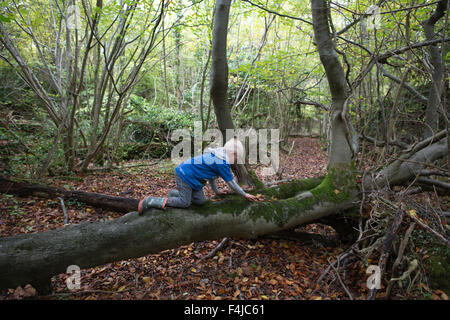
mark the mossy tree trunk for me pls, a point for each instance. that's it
(34, 258)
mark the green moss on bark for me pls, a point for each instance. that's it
(258, 183)
(288, 190)
(336, 187)
(233, 203)
(291, 199)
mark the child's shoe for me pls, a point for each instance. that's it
(151, 202)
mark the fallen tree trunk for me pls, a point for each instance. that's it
(20, 188)
(408, 167)
(121, 204)
(34, 258)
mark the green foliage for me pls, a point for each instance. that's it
(160, 117)
(279, 64)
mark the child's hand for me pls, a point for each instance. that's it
(251, 197)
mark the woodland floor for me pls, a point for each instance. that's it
(244, 269)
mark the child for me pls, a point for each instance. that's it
(192, 174)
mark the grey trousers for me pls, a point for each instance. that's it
(186, 196)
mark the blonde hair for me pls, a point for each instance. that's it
(235, 145)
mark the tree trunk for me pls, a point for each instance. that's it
(166, 85)
(219, 81)
(119, 204)
(437, 72)
(341, 149)
(219, 67)
(34, 258)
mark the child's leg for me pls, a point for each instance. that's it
(183, 200)
(198, 197)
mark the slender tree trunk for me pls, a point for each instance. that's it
(205, 122)
(219, 80)
(219, 67)
(179, 88)
(166, 86)
(341, 149)
(437, 71)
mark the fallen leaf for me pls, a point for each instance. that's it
(146, 280)
(285, 245)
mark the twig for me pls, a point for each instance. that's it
(387, 245)
(86, 291)
(434, 173)
(66, 217)
(277, 13)
(432, 182)
(341, 282)
(412, 266)
(410, 191)
(216, 249)
(401, 250)
(340, 257)
(434, 211)
(426, 227)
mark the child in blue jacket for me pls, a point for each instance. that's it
(192, 175)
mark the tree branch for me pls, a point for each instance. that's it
(277, 13)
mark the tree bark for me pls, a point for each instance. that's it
(219, 81)
(437, 72)
(341, 148)
(219, 67)
(119, 204)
